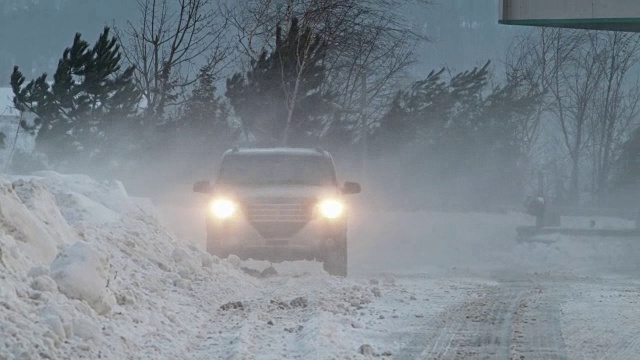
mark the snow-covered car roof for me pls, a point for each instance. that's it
(278, 151)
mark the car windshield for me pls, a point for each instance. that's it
(272, 169)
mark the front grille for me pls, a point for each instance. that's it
(278, 210)
(278, 218)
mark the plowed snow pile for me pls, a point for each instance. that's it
(87, 271)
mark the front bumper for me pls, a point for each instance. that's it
(283, 241)
(275, 253)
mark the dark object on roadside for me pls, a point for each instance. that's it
(279, 304)
(293, 329)
(535, 206)
(234, 305)
(366, 350)
(270, 271)
(251, 272)
(299, 302)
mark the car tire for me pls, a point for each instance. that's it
(214, 247)
(335, 260)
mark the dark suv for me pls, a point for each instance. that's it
(279, 204)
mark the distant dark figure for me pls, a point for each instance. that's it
(535, 207)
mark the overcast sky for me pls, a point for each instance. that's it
(463, 33)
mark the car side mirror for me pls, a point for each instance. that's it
(203, 186)
(351, 188)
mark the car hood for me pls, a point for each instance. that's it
(242, 192)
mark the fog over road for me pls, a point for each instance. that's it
(451, 286)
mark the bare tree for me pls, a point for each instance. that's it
(617, 103)
(564, 65)
(170, 43)
(590, 94)
(305, 55)
(366, 39)
(574, 89)
(533, 58)
(369, 44)
(519, 68)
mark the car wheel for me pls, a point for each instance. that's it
(335, 261)
(214, 247)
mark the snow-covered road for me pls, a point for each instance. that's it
(541, 316)
(453, 286)
(87, 271)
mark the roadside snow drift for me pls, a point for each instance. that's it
(87, 271)
(82, 273)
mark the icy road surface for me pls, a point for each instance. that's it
(88, 272)
(456, 286)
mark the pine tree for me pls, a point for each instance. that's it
(416, 113)
(289, 78)
(461, 131)
(91, 103)
(205, 113)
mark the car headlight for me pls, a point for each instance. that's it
(223, 208)
(331, 208)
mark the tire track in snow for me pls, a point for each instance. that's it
(629, 348)
(480, 328)
(537, 327)
(507, 322)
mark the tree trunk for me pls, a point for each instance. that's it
(291, 107)
(575, 181)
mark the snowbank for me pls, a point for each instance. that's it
(88, 271)
(82, 273)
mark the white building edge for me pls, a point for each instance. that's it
(619, 15)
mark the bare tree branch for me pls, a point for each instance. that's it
(365, 38)
(172, 40)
